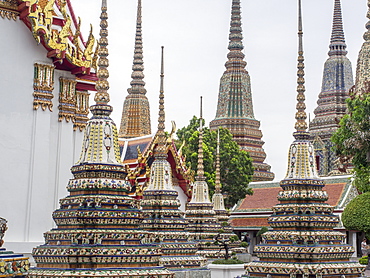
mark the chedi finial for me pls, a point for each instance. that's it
(200, 171)
(300, 116)
(337, 42)
(102, 85)
(160, 151)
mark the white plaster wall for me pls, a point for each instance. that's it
(182, 197)
(36, 151)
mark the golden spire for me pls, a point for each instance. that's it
(100, 144)
(160, 151)
(300, 116)
(160, 170)
(200, 172)
(301, 158)
(102, 85)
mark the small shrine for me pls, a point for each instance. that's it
(160, 208)
(303, 242)
(204, 226)
(11, 265)
(97, 233)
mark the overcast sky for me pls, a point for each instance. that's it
(195, 36)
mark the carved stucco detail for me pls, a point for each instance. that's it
(43, 86)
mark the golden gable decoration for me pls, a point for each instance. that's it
(40, 19)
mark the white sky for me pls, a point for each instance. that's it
(195, 36)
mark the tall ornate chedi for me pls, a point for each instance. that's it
(336, 83)
(160, 207)
(135, 121)
(97, 232)
(303, 242)
(235, 108)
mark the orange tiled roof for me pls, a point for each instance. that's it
(250, 222)
(262, 198)
(335, 192)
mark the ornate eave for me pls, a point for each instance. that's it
(53, 30)
(138, 168)
(9, 9)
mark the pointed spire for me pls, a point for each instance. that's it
(160, 151)
(102, 85)
(100, 143)
(200, 171)
(300, 116)
(137, 83)
(218, 198)
(160, 171)
(337, 43)
(301, 159)
(236, 46)
(135, 120)
(367, 33)
(362, 69)
(218, 180)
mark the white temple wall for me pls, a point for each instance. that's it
(37, 151)
(182, 197)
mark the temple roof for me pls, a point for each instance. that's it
(139, 161)
(59, 32)
(254, 210)
(129, 147)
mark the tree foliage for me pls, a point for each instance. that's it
(235, 164)
(352, 139)
(356, 215)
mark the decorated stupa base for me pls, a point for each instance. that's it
(164, 219)
(98, 232)
(204, 227)
(303, 242)
(11, 265)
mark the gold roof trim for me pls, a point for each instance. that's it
(41, 24)
(9, 9)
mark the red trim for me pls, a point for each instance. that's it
(85, 87)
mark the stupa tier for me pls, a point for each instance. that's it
(11, 265)
(135, 121)
(235, 107)
(160, 207)
(303, 242)
(97, 232)
(336, 83)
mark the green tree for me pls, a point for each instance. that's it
(356, 215)
(235, 164)
(352, 139)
